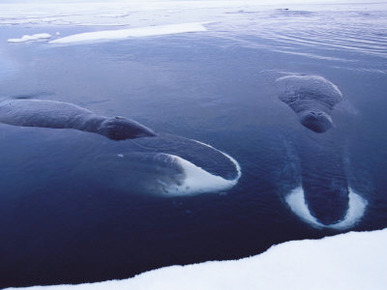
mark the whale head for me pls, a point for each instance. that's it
(316, 120)
(120, 128)
(196, 167)
(168, 175)
(166, 166)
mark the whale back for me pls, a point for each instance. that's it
(312, 98)
(316, 89)
(60, 115)
(41, 113)
(323, 175)
(166, 165)
(202, 155)
(120, 128)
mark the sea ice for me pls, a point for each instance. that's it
(108, 35)
(34, 37)
(351, 261)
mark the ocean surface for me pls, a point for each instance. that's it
(60, 225)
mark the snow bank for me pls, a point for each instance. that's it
(34, 37)
(353, 261)
(134, 12)
(108, 35)
(120, 12)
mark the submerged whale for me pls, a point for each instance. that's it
(166, 165)
(54, 114)
(321, 194)
(312, 98)
(148, 163)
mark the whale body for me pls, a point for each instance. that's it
(321, 193)
(323, 177)
(312, 98)
(60, 115)
(165, 164)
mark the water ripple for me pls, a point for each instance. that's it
(320, 33)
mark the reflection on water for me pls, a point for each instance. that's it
(60, 224)
(334, 33)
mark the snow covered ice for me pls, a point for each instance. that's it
(34, 37)
(109, 35)
(352, 261)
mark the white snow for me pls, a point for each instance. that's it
(134, 13)
(131, 32)
(356, 208)
(139, 18)
(352, 261)
(34, 37)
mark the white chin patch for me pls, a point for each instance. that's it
(198, 181)
(356, 208)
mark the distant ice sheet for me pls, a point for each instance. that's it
(108, 35)
(352, 261)
(34, 37)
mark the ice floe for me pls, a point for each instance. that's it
(27, 38)
(108, 35)
(351, 261)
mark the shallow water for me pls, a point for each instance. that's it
(217, 87)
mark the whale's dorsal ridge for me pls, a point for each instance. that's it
(62, 115)
(311, 97)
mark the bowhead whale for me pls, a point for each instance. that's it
(146, 163)
(322, 195)
(165, 165)
(60, 115)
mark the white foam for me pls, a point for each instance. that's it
(199, 181)
(237, 166)
(356, 208)
(109, 35)
(27, 38)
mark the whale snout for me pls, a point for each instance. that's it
(317, 121)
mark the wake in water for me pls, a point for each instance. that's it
(356, 208)
(169, 165)
(196, 180)
(323, 197)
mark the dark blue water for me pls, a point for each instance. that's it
(60, 226)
